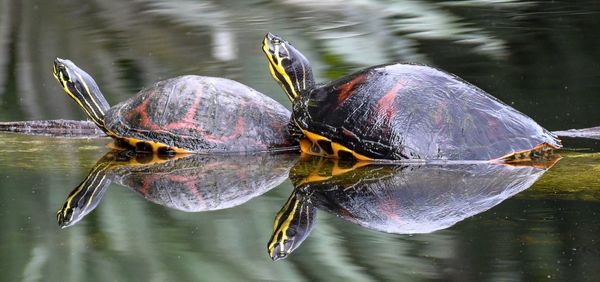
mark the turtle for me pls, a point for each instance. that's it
(185, 114)
(188, 183)
(399, 198)
(401, 111)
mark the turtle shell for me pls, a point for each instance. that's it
(405, 111)
(201, 114)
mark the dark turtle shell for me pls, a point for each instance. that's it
(405, 111)
(200, 114)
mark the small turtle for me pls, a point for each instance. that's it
(401, 111)
(393, 198)
(190, 183)
(186, 114)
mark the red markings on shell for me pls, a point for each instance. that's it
(191, 184)
(188, 120)
(346, 88)
(385, 105)
(348, 133)
(141, 112)
(390, 208)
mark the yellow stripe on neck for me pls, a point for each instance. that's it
(89, 95)
(276, 67)
(95, 118)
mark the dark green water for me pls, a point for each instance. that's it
(540, 57)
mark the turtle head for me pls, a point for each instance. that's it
(293, 224)
(288, 66)
(82, 88)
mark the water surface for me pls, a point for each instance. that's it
(540, 57)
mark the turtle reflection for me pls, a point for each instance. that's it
(393, 198)
(190, 183)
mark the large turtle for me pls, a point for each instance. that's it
(401, 111)
(394, 198)
(190, 183)
(186, 114)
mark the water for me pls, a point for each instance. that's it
(540, 57)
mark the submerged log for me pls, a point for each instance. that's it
(58, 127)
(592, 133)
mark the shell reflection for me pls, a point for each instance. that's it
(190, 183)
(394, 198)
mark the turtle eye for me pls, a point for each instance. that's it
(276, 41)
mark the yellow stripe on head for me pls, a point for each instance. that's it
(55, 73)
(273, 74)
(287, 66)
(278, 71)
(82, 89)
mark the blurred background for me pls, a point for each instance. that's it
(541, 57)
